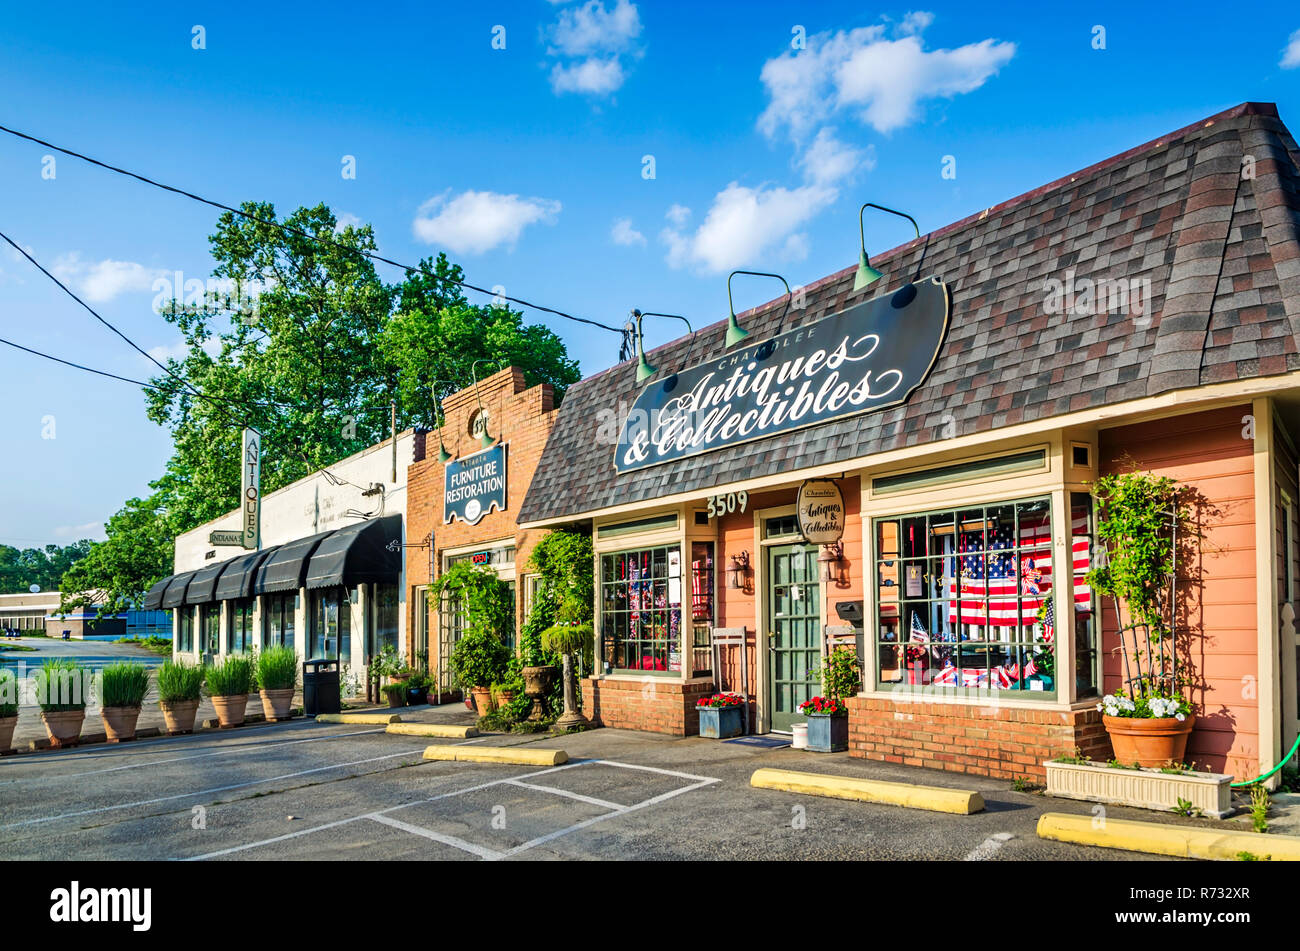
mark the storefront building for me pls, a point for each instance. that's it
(942, 426)
(466, 485)
(327, 579)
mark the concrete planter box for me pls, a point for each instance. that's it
(1144, 788)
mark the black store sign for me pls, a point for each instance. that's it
(474, 485)
(864, 359)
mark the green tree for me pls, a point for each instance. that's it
(22, 568)
(116, 572)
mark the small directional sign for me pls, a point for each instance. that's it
(226, 538)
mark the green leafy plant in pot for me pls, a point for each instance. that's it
(477, 661)
(8, 707)
(487, 606)
(62, 689)
(122, 689)
(277, 676)
(395, 693)
(229, 684)
(571, 632)
(180, 688)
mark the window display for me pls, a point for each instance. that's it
(640, 617)
(965, 598)
(702, 608)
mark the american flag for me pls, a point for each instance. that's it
(919, 634)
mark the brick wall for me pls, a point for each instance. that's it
(987, 741)
(659, 706)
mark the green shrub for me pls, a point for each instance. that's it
(8, 693)
(232, 677)
(478, 660)
(123, 684)
(178, 681)
(277, 668)
(62, 684)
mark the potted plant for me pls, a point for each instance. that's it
(122, 688)
(569, 635)
(229, 684)
(8, 707)
(477, 661)
(395, 693)
(721, 715)
(61, 690)
(277, 676)
(180, 687)
(1142, 520)
(828, 724)
(417, 689)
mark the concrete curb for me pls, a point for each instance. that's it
(497, 754)
(445, 730)
(372, 718)
(1160, 839)
(960, 802)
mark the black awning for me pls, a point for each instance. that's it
(239, 577)
(359, 554)
(286, 568)
(153, 597)
(202, 589)
(174, 596)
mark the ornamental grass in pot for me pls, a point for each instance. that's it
(277, 676)
(229, 684)
(180, 688)
(8, 707)
(62, 687)
(122, 688)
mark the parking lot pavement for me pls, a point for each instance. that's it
(307, 790)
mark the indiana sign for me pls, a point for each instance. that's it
(861, 360)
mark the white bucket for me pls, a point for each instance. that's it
(799, 736)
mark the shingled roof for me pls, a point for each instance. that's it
(1220, 248)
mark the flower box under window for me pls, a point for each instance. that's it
(1144, 788)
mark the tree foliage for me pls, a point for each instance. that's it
(20, 568)
(117, 571)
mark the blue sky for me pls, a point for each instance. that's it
(527, 163)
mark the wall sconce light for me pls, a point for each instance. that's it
(644, 370)
(831, 560)
(868, 275)
(739, 570)
(736, 333)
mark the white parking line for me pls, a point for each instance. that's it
(590, 800)
(481, 851)
(989, 847)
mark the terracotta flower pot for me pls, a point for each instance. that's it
(179, 715)
(482, 700)
(231, 710)
(7, 725)
(277, 704)
(1148, 742)
(119, 722)
(63, 727)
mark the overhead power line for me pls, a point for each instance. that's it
(299, 232)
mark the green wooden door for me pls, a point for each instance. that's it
(794, 630)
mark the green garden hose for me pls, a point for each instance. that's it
(1260, 779)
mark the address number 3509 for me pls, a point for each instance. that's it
(728, 504)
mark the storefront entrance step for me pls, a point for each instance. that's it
(497, 754)
(1159, 838)
(960, 802)
(446, 730)
(379, 718)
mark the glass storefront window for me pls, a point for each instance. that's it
(640, 614)
(184, 630)
(703, 610)
(210, 626)
(241, 625)
(386, 608)
(1082, 539)
(331, 626)
(277, 623)
(964, 598)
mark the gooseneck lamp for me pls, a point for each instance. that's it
(735, 332)
(644, 369)
(443, 455)
(868, 275)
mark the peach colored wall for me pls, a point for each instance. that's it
(1217, 591)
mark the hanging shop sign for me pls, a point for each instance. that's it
(820, 512)
(250, 492)
(475, 485)
(867, 358)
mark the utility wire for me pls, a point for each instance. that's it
(297, 231)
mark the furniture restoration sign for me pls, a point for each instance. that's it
(820, 512)
(475, 485)
(864, 359)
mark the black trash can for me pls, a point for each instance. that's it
(320, 687)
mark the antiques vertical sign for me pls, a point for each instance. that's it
(250, 490)
(473, 486)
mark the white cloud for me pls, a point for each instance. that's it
(91, 530)
(591, 43)
(828, 160)
(103, 280)
(474, 222)
(346, 220)
(178, 349)
(865, 72)
(1291, 55)
(678, 214)
(623, 233)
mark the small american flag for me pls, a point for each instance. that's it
(918, 633)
